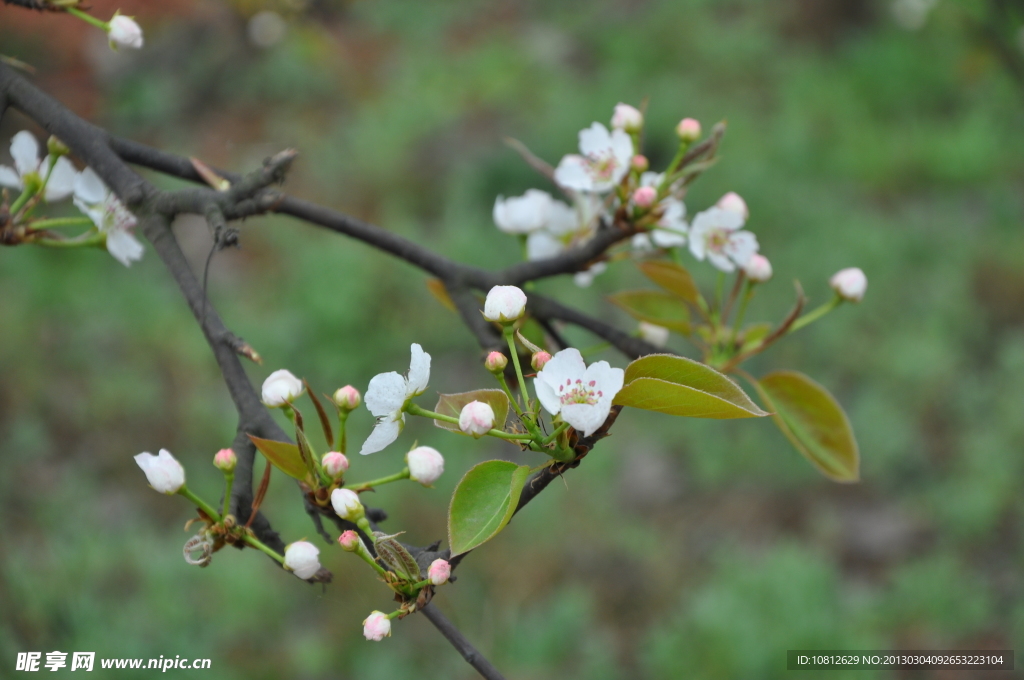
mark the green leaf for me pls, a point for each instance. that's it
(814, 422)
(396, 556)
(284, 455)
(673, 278)
(682, 387)
(655, 307)
(483, 503)
(452, 404)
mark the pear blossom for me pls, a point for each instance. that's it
(671, 229)
(733, 201)
(476, 418)
(387, 395)
(850, 284)
(335, 464)
(758, 269)
(439, 572)
(25, 153)
(688, 130)
(109, 215)
(377, 626)
(654, 334)
(347, 398)
(644, 197)
(566, 226)
(640, 163)
(526, 213)
(584, 278)
(582, 395)
(163, 471)
(124, 32)
(603, 161)
(346, 504)
(350, 541)
(504, 304)
(281, 387)
(225, 460)
(301, 558)
(715, 234)
(628, 118)
(425, 465)
(495, 362)
(539, 360)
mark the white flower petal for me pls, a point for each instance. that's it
(586, 417)
(561, 218)
(666, 238)
(419, 371)
(540, 245)
(573, 172)
(741, 247)
(567, 365)
(522, 214)
(384, 433)
(546, 393)
(62, 179)
(622, 152)
(9, 178)
(25, 152)
(608, 380)
(595, 139)
(124, 246)
(721, 261)
(386, 393)
(89, 188)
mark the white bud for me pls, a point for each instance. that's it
(656, 335)
(164, 473)
(476, 418)
(347, 398)
(377, 626)
(335, 464)
(425, 465)
(346, 503)
(627, 118)
(124, 32)
(758, 268)
(850, 284)
(280, 387)
(504, 303)
(733, 202)
(301, 558)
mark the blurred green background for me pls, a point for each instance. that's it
(682, 548)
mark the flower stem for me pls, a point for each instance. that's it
(554, 435)
(199, 503)
(62, 222)
(666, 180)
(20, 202)
(363, 486)
(86, 240)
(365, 555)
(814, 315)
(259, 545)
(88, 18)
(229, 480)
(741, 312)
(508, 393)
(339, 446)
(515, 361)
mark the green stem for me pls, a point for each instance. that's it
(88, 18)
(229, 480)
(363, 486)
(256, 543)
(814, 315)
(508, 393)
(62, 222)
(666, 180)
(515, 361)
(20, 202)
(199, 503)
(554, 435)
(413, 409)
(86, 240)
(365, 555)
(719, 291)
(741, 312)
(339, 445)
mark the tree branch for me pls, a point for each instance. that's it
(460, 643)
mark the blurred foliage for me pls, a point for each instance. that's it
(682, 548)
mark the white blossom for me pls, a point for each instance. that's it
(715, 235)
(670, 230)
(504, 303)
(850, 284)
(387, 395)
(346, 504)
(281, 387)
(425, 465)
(758, 269)
(377, 626)
(603, 160)
(524, 214)
(124, 32)
(109, 215)
(628, 118)
(163, 471)
(25, 153)
(654, 334)
(301, 558)
(476, 418)
(734, 202)
(439, 572)
(584, 278)
(581, 394)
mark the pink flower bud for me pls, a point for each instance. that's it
(495, 362)
(504, 304)
(163, 472)
(733, 202)
(627, 118)
(640, 163)
(539, 359)
(476, 418)
(225, 460)
(425, 465)
(758, 268)
(335, 464)
(301, 558)
(124, 32)
(350, 541)
(347, 398)
(377, 626)
(347, 505)
(850, 284)
(439, 572)
(644, 197)
(688, 130)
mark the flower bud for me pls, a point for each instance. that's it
(688, 130)
(301, 558)
(425, 464)
(350, 541)
(281, 387)
(640, 163)
(733, 202)
(335, 464)
(347, 398)
(164, 473)
(627, 118)
(439, 572)
(377, 626)
(644, 197)
(495, 362)
(539, 359)
(124, 32)
(476, 418)
(654, 334)
(504, 304)
(758, 268)
(850, 284)
(56, 147)
(225, 460)
(347, 505)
